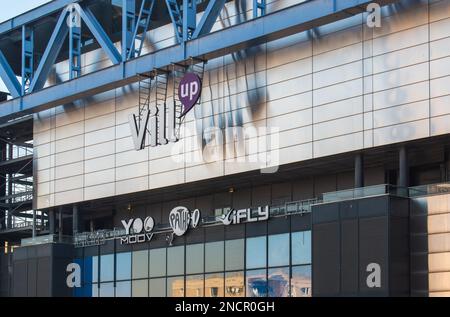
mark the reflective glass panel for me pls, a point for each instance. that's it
(94, 270)
(88, 270)
(123, 266)
(301, 281)
(139, 288)
(95, 290)
(214, 285)
(234, 254)
(194, 258)
(123, 289)
(234, 284)
(107, 267)
(175, 260)
(107, 290)
(157, 262)
(175, 286)
(278, 284)
(279, 249)
(157, 287)
(214, 256)
(256, 252)
(301, 247)
(256, 283)
(140, 264)
(194, 285)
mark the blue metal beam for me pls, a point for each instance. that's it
(9, 78)
(34, 15)
(100, 35)
(128, 27)
(209, 17)
(51, 52)
(276, 25)
(27, 57)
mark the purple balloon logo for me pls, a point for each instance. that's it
(189, 91)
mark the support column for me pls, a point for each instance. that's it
(359, 170)
(60, 224)
(75, 220)
(51, 221)
(403, 179)
(34, 224)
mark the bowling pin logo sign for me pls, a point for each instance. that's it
(189, 91)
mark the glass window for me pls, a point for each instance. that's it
(88, 270)
(157, 262)
(234, 255)
(107, 268)
(140, 264)
(194, 258)
(94, 270)
(278, 284)
(157, 287)
(106, 290)
(123, 289)
(175, 260)
(214, 285)
(214, 256)
(301, 247)
(301, 281)
(256, 252)
(123, 266)
(256, 283)
(175, 286)
(94, 290)
(194, 285)
(279, 249)
(234, 284)
(139, 288)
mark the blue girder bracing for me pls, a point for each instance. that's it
(176, 17)
(141, 28)
(100, 35)
(27, 57)
(209, 17)
(259, 8)
(51, 53)
(128, 27)
(189, 18)
(74, 44)
(9, 78)
(272, 26)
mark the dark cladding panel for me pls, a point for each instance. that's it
(349, 257)
(373, 207)
(326, 259)
(44, 278)
(278, 225)
(235, 232)
(325, 213)
(32, 277)
(216, 233)
(256, 229)
(196, 235)
(373, 248)
(303, 189)
(20, 278)
(301, 222)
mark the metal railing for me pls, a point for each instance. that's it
(432, 189)
(361, 192)
(50, 238)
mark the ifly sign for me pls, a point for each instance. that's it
(160, 123)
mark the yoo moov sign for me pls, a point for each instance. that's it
(139, 230)
(161, 122)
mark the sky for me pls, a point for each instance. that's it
(11, 9)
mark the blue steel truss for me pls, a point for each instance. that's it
(195, 41)
(27, 57)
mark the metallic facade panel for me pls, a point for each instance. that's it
(401, 95)
(338, 92)
(69, 130)
(69, 183)
(440, 87)
(400, 114)
(73, 156)
(167, 179)
(100, 122)
(101, 177)
(69, 143)
(340, 144)
(439, 281)
(402, 58)
(400, 40)
(64, 171)
(339, 109)
(132, 171)
(99, 191)
(440, 106)
(440, 67)
(98, 150)
(337, 127)
(440, 125)
(401, 77)
(99, 136)
(338, 57)
(402, 132)
(98, 164)
(440, 29)
(440, 48)
(132, 185)
(338, 74)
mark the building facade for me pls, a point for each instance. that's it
(314, 163)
